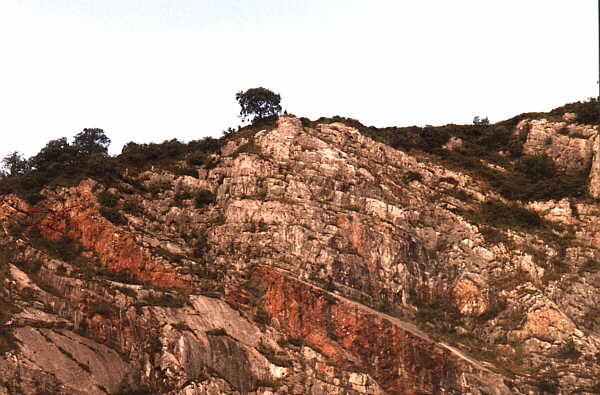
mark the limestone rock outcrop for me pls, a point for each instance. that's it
(594, 184)
(317, 261)
(570, 145)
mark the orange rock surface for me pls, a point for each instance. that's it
(78, 218)
(400, 361)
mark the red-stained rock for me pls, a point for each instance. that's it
(78, 218)
(402, 362)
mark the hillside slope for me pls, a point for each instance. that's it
(307, 258)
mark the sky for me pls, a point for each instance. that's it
(152, 70)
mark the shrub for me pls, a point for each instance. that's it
(569, 350)
(261, 317)
(141, 154)
(200, 247)
(113, 215)
(296, 342)
(31, 266)
(132, 206)
(536, 167)
(203, 198)
(481, 121)
(250, 147)
(216, 332)
(590, 266)
(166, 300)
(108, 199)
(496, 213)
(587, 111)
(549, 385)
(201, 159)
(61, 270)
(65, 248)
(412, 176)
(56, 153)
(182, 195)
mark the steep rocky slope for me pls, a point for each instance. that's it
(307, 259)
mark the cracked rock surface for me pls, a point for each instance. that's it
(324, 263)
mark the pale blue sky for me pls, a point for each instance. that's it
(150, 70)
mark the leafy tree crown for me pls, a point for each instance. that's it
(15, 163)
(258, 103)
(91, 141)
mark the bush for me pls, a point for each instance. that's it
(296, 342)
(108, 199)
(132, 206)
(216, 332)
(141, 155)
(201, 159)
(531, 178)
(569, 350)
(113, 215)
(250, 147)
(496, 213)
(261, 317)
(167, 300)
(588, 112)
(590, 266)
(65, 248)
(412, 176)
(536, 167)
(56, 153)
(203, 198)
(549, 385)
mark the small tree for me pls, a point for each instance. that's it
(481, 121)
(15, 164)
(91, 141)
(259, 103)
(56, 153)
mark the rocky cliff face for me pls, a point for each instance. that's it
(305, 260)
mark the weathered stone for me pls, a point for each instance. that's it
(571, 146)
(319, 267)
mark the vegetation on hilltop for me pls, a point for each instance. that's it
(258, 103)
(66, 164)
(63, 163)
(489, 151)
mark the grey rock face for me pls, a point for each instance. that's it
(570, 145)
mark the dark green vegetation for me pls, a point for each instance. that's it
(486, 149)
(258, 103)
(7, 341)
(483, 145)
(497, 214)
(65, 164)
(61, 163)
